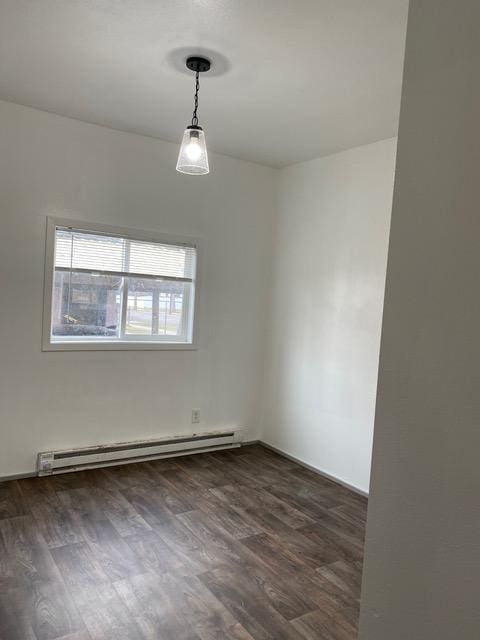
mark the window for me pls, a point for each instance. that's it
(112, 288)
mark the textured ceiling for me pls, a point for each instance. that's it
(293, 79)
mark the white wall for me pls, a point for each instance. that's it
(316, 309)
(325, 316)
(56, 166)
(422, 567)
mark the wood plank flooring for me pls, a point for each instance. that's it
(238, 545)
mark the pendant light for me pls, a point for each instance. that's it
(193, 157)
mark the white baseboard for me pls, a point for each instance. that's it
(18, 476)
(315, 469)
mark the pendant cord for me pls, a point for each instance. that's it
(197, 89)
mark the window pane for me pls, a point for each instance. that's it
(86, 305)
(157, 308)
(117, 289)
(139, 308)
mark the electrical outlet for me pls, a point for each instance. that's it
(195, 416)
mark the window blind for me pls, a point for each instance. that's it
(86, 252)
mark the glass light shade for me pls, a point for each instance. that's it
(193, 157)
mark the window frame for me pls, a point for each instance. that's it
(97, 344)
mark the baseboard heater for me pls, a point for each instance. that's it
(52, 462)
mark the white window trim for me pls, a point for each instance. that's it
(118, 345)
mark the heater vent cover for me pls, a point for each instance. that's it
(51, 462)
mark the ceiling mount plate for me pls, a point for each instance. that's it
(197, 63)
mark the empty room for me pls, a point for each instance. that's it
(238, 273)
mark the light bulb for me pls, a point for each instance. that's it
(193, 157)
(193, 149)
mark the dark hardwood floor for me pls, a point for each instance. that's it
(238, 545)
